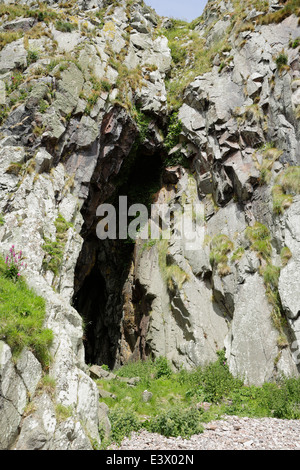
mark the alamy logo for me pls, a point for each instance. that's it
(163, 222)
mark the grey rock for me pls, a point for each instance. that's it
(106, 394)
(39, 426)
(13, 56)
(289, 285)
(146, 396)
(43, 161)
(30, 370)
(18, 24)
(38, 92)
(13, 398)
(98, 373)
(104, 419)
(252, 319)
(2, 92)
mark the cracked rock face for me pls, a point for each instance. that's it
(85, 121)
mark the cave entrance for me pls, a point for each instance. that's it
(104, 283)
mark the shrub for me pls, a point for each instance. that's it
(123, 423)
(176, 421)
(163, 367)
(217, 382)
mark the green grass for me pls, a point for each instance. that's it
(55, 249)
(22, 315)
(65, 26)
(270, 154)
(172, 274)
(281, 60)
(220, 247)
(287, 185)
(290, 7)
(173, 411)
(260, 238)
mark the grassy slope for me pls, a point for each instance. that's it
(22, 315)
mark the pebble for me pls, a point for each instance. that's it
(230, 433)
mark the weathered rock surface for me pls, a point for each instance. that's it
(84, 122)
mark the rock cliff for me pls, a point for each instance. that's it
(102, 99)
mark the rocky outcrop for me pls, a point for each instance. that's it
(85, 120)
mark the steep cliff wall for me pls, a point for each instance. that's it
(102, 99)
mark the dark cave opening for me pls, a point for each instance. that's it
(104, 285)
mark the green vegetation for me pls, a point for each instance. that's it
(62, 412)
(285, 255)
(143, 121)
(287, 185)
(22, 315)
(173, 410)
(290, 7)
(260, 238)
(295, 43)
(9, 36)
(281, 60)
(172, 138)
(191, 57)
(65, 27)
(2, 221)
(172, 274)
(55, 249)
(32, 57)
(270, 154)
(238, 254)
(174, 131)
(220, 247)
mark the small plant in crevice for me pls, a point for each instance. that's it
(285, 255)
(32, 57)
(55, 248)
(260, 238)
(172, 274)
(65, 27)
(174, 131)
(281, 61)
(269, 155)
(220, 247)
(287, 185)
(63, 412)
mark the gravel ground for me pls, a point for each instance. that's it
(231, 433)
